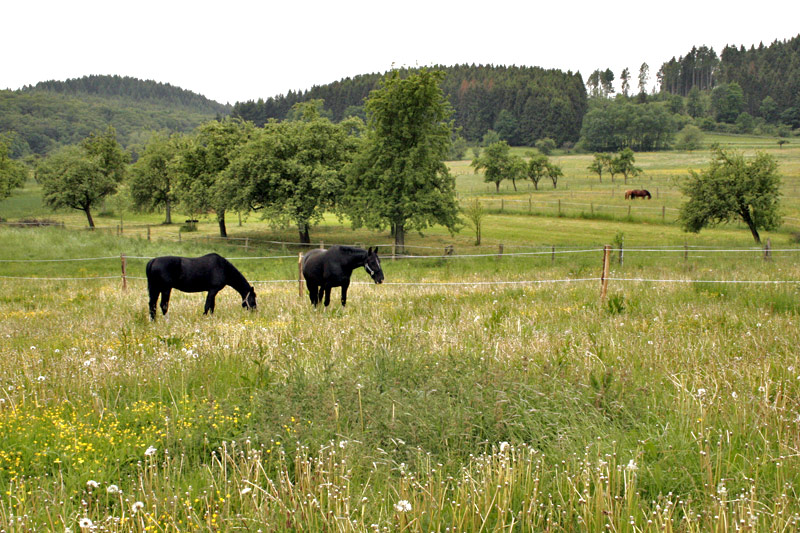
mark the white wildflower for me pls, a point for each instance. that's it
(113, 489)
(92, 484)
(403, 506)
(137, 506)
(245, 490)
(503, 446)
(631, 466)
(85, 523)
(151, 450)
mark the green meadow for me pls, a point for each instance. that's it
(478, 391)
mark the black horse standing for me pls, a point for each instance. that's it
(210, 273)
(324, 269)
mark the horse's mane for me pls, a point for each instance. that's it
(351, 250)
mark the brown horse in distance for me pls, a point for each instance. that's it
(637, 193)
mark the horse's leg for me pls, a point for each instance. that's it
(154, 292)
(345, 285)
(312, 293)
(210, 301)
(327, 296)
(165, 299)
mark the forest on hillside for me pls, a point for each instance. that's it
(766, 78)
(523, 103)
(51, 114)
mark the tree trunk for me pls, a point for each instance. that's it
(223, 232)
(305, 238)
(168, 206)
(88, 211)
(514, 183)
(497, 186)
(400, 238)
(750, 224)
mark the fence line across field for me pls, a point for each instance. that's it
(549, 251)
(454, 283)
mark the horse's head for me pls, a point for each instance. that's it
(249, 301)
(373, 265)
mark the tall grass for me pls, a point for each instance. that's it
(419, 407)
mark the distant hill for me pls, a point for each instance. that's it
(55, 113)
(522, 103)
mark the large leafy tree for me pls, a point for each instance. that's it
(732, 188)
(153, 176)
(79, 177)
(292, 171)
(399, 178)
(12, 172)
(201, 163)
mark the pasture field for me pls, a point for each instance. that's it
(467, 393)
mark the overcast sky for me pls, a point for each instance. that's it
(238, 50)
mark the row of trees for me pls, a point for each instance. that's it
(387, 174)
(498, 164)
(622, 162)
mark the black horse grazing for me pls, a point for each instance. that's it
(324, 269)
(195, 274)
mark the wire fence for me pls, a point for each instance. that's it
(767, 252)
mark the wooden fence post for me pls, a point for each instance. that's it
(530, 203)
(685, 251)
(148, 233)
(124, 272)
(604, 275)
(502, 204)
(553, 254)
(499, 251)
(559, 207)
(768, 250)
(663, 213)
(621, 252)
(300, 274)
(394, 251)
(246, 244)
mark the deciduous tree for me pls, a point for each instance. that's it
(79, 177)
(203, 160)
(496, 163)
(623, 163)
(153, 176)
(732, 188)
(599, 164)
(293, 171)
(399, 178)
